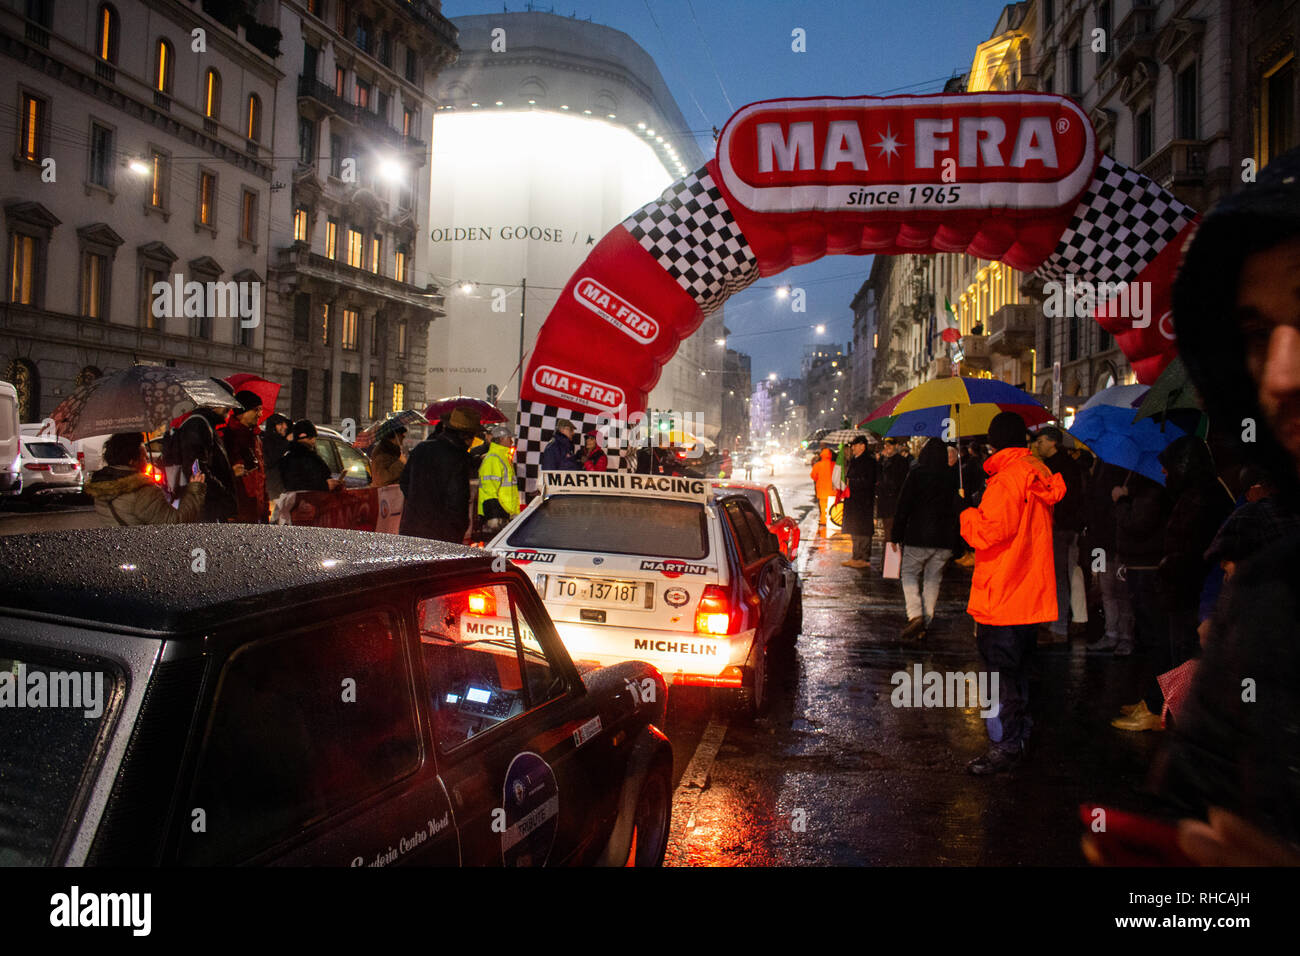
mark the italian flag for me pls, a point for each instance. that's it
(949, 327)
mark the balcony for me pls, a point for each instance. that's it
(311, 88)
(38, 35)
(1181, 162)
(1011, 329)
(975, 352)
(1135, 37)
(300, 259)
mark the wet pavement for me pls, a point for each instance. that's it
(834, 774)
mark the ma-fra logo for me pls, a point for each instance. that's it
(616, 310)
(674, 569)
(569, 385)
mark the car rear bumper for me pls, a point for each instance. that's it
(682, 657)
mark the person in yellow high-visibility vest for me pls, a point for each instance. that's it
(498, 484)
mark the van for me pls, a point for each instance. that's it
(11, 476)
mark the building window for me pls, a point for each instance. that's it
(364, 34)
(382, 101)
(1103, 340)
(300, 224)
(374, 334)
(385, 52)
(1074, 68)
(41, 12)
(306, 141)
(408, 122)
(1049, 12)
(248, 217)
(32, 133)
(1278, 127)
(212, 95)
(326, 404)
(376, 247)
(162, 81)
(301, 317)
(93, 268)
(349, 330)
(340, 81)
(325, 327)
(399, 396)
(149, 277)
(1189, 119)
(336, 156)
(158, 179)
(354, 248)
(108, 27)
(362, 95)
(207, 198)
(314, 7)
(24, 268)
(1103, 24)
(101, 156)
(401, 339)
(399, 264)
(341, 17)
(332, 239)
(310, 59)
(254, 117)
(370, 401)
(410, 65)
(1143, 134)
(298, 401)
(1049, 82)
(1072, 342)
(1047, 344)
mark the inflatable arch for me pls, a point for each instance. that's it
(1015, 177)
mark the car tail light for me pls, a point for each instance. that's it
(482, 602)
(81, 458)
(714, 614)
(36, 466)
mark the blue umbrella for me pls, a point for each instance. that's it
(1105, 424)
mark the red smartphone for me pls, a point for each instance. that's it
(1132, 839)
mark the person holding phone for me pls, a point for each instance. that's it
(126, 495)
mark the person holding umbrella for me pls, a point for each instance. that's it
(859, 523)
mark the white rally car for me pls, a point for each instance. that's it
(658, 569)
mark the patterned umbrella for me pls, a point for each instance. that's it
(142, 398)
(969, 404)
(1105, 424)
(488, 414)
(389, 424)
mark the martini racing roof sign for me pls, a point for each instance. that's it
(619, 483)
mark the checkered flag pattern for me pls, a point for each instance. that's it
(1122, 222)
(692, 234)
(536, 427)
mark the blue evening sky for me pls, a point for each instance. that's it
(718, 55)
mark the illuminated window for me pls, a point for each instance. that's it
(399, 265)
(349, 332)
(300, 224)
(106, 39)
(1277, 110)
(248, 217)
(163, 74)
(207, 198)
(332, 239)
(370, 401)
(376, 245)
(148, 279)
(31, 139)
(399, 396)
(325, 335)
(212, 95)
(354, 248)
(363, 94)
(254, 130)
(22, 268)
(340, 81)
(408, 122)
(158, 180)
(92, 285)
(401, 339)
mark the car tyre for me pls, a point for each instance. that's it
(751, 699)
(651, 819)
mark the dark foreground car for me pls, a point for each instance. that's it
(220, 694)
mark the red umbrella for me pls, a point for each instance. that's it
(266, 390)
(488, 414)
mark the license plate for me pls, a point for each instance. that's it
(598, 591)
(62, 469)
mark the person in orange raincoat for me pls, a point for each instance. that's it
(823, 476)
(1014, 585)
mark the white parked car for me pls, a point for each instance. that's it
(657, 569)
(11, 474)
(49, 466)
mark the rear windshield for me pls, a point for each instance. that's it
(51, 712)
(613, 524)
(46, 449)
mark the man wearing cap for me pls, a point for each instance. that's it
(894, 464)
(498, 484)
(559, 454)
(859, 523)
(593, 456)
(244, 449)
(301, 469)
(1013, 588)
(436, 481)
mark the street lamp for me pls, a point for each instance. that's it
(783, 292)
(819, 329)
(139, 167)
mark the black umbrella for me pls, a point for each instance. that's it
(142, 398)
(388, 425)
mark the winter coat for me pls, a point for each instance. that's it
(1201, 504)
(498, 481)
(972, 478)
(301, 469)
(435, 482)
(596, 461)
(860, 476)
(823, 473)
(926, 516)
(893, 472)
(244, 447)
(1011, 531)
(199, 440)
(385, 463)
(1070, 513)
(559, 454)
(124, 496)
(1140, 518)
(1099, 510)
(273, 448)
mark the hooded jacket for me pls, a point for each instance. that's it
(1011, 532)
(823, 473)
(386, 462)
(435, 482)
(1226, 751)
(926, 516)
(1200, 505)
(124, 497)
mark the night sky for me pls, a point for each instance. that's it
(718, 55)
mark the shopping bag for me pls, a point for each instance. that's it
(893, 560)
(1078, 597)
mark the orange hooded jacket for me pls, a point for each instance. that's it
(823, 474)
(1011, 532)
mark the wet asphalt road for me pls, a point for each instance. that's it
(836, 775)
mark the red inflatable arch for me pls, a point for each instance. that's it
(1014, 177)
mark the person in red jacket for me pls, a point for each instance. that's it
(1014, 585)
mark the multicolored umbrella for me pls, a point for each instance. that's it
(488, 414)
(1105, 425)
(141, 398)
(388, 425)
(952, 408)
